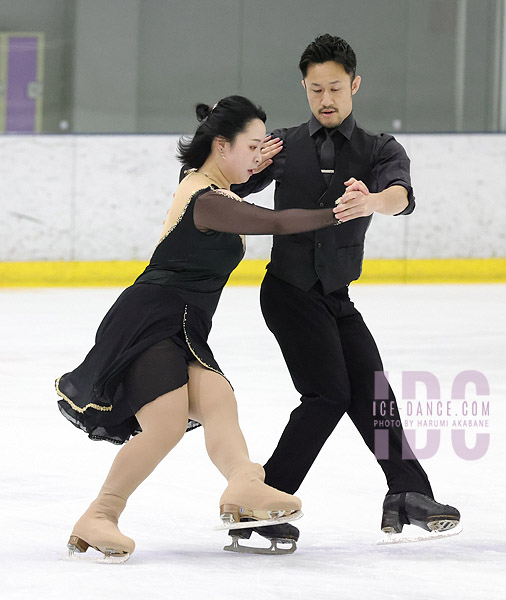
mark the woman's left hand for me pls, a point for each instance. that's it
(270, 149)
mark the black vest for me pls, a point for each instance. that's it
(332, 255)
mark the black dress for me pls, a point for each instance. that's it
(161, 323)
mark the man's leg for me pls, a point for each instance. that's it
(409, 499)
(362, 362)
(309, 340)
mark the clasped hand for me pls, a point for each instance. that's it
(356, 201)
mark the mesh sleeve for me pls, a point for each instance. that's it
(221, 210)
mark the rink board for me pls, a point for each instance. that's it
(250, 272)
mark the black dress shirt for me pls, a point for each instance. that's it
(389, 163)
(333, 255)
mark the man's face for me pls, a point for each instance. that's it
(329, 92)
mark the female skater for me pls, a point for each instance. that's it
(151, 373)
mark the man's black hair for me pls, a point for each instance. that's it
(325, 48)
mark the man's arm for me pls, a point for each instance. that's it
(357, 201)
(392, 169)
(391, 201)
(390, 175)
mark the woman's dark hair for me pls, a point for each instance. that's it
(327, 47)
(227, 118)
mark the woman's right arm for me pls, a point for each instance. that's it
(220, 210)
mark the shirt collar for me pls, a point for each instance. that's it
(346, 127)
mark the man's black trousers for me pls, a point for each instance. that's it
(332, 358)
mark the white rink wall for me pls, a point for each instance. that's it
(104, 197)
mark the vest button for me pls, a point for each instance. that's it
(319, 245)
(321, 205)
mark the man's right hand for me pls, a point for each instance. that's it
(270, 149)
(355, 185)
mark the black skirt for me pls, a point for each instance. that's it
(142, 350)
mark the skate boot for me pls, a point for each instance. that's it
(413, 508)
(248, 497)
(98, 528)
(279, 536)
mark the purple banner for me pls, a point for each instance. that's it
(21, 71)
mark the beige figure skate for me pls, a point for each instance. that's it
(248, 502)
(98, 528)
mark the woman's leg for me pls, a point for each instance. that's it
(163, 423)
(212, 403)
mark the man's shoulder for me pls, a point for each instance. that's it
(371, 134)
(379, 141)
(283, 131)
(304, 125)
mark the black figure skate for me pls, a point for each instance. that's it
(412, 508)
(248, 503)
(279, 535)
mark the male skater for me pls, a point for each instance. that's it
(330, 353)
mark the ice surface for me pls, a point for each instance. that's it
(50, 471)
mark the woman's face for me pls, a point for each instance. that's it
(243, 155)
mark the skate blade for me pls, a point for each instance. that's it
(276, 519)
(446, 529)
(109, 556)
(104, 560)
(278, 546)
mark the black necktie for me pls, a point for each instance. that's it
(327, 157)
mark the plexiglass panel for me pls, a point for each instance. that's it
(139, 66)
